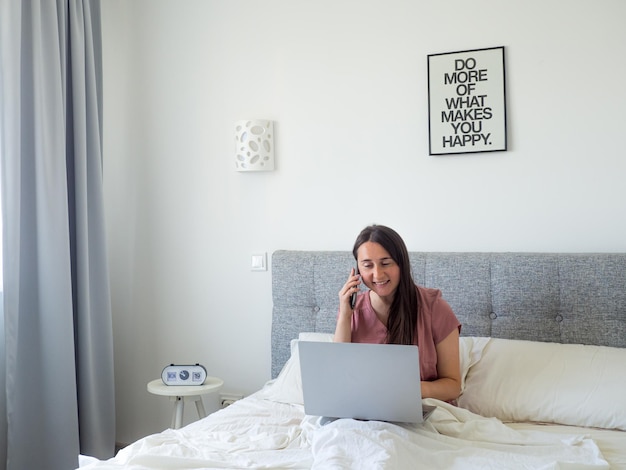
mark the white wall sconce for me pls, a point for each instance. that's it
(255, 145)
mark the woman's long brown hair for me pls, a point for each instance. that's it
(402, 321)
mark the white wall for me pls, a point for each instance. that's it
(345, 82)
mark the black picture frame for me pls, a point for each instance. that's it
(467, 102)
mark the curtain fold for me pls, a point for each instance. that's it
(58, 352)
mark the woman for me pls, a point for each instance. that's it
(396, 310)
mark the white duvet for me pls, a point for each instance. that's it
(258, 433)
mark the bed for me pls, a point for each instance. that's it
(543, 359)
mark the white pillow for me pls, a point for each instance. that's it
(549, 382)
(470, 352)
(313, 336)
(287, 387)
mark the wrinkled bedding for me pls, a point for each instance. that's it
(259, 433)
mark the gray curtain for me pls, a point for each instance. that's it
(57, 362)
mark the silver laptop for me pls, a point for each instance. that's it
(362, 381)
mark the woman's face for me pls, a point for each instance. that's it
(378, 270)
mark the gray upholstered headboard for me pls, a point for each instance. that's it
(556, 297)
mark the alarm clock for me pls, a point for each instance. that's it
(183, 374)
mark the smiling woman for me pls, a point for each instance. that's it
(396, 310)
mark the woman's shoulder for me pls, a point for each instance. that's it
(438, 310)
(432, 299)
(428, 292)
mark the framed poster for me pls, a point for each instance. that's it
(466, 102)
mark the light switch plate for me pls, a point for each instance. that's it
(259, 262)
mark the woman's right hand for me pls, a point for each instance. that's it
(345, 294)
(343, 329)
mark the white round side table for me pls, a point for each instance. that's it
(179, 394)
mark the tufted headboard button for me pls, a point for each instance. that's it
(316, 309)
(493, 315)
(559, 318)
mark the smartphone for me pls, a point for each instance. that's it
(353, 298)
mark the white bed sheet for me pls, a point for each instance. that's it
(258, 433)
(611, 442)
(251, 433)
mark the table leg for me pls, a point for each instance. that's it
(177, 418)
(200, 407)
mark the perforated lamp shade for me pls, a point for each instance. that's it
(255, 145)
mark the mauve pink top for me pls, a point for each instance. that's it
(435, 322)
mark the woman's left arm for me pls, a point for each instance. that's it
(448, 386)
